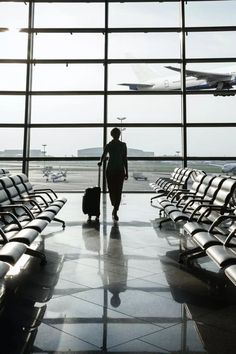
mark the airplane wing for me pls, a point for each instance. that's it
(140, 86)
(209, 76)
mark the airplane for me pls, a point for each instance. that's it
(55, 175)
(221, 79)
(228, 168)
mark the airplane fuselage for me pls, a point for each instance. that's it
(192, 83)
(173, 83)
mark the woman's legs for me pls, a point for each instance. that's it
(115, 185)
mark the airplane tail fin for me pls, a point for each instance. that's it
(143, 72)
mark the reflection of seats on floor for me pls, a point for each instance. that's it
(37, 283)
(22, 219)
(193, 285)
(21, 313)
(213, 333)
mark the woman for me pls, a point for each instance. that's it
(117, 169)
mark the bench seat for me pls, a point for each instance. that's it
(12, 251)
(4, 267)
(222, 255)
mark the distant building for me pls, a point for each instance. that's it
(95, 152)
(19, 153)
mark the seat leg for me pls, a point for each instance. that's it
(195, 256)
(163, 221)
(35, 253)
(61, 221)
(188, 253)
(154, 198)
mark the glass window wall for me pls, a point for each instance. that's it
(210, 13)
(212, 141)
(67, 109)
(67, 142)
(69, 46)
(12, 109)
(13, 44)
(152, 142)
(13, 77)
(144, 45)
(66, 77)
(69, 15)
(149, 109)
(211, 109)
(144, 14)
(210, 44)
(14, 15)
(95, 65)
(11, 142)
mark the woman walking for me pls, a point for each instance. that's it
(117, 169)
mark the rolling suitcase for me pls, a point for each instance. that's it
(91, 199)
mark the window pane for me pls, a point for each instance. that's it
(144, 45)
(210, 44)
(145, 109)
(152, 141)
(157, 75)
(14, 167)
(204, 81)
(14, 15)
(73, 46)
(144, 14)
(69, 15)
(141, 173)
(75, 176)
(65, 142)
(13, 77)
(210, 13)
(71, 77)
(12, 109)
(13, 45)
(208, 108)
(79, 175)
(213, 141)
(215, 166)
(11, 142)
(67, 109)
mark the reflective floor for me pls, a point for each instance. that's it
(119, 288)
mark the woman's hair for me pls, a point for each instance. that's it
(115, 133)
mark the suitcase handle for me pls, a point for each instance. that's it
(99, 176)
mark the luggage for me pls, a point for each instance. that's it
(91, 199)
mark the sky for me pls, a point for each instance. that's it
(89, 109)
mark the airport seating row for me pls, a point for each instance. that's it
(209, 216)
(179, 179)
(24, 214)
(4, 172)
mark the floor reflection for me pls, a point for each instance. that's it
(24, 304)
(112, 288)
(115, 275)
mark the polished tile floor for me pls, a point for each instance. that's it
(119, 288)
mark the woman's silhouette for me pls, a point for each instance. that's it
(117, 169)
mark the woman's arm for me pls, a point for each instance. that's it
(126, 162)
(103, 156)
